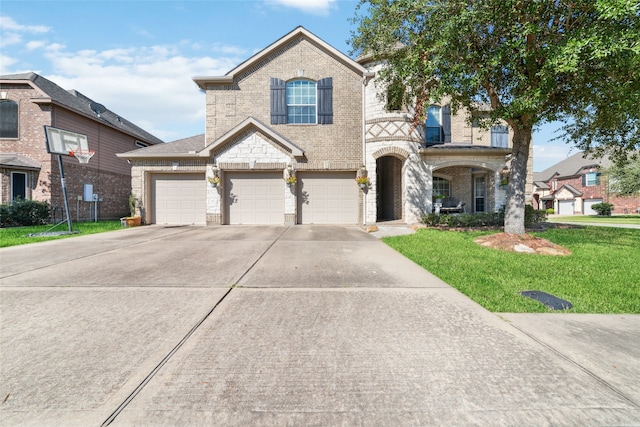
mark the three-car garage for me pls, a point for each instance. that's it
(256, 198)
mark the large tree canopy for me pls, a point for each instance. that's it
(531, 61)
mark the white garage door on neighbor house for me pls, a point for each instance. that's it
(327, 198)
(565, 207)
(179, 199)
(254, 198)
(588, 210)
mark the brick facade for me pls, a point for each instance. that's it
(109, 175)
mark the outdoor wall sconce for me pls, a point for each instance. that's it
(214, 179)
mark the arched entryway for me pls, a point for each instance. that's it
(389, 188)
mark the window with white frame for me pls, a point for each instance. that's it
(301, 102)
(441, 187)
(433, 133)
(500, 136)
(18, 185)
(591, 178)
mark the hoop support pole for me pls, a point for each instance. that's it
(64, 193)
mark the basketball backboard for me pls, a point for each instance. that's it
(64, 142)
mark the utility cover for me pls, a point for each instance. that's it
(552, 302)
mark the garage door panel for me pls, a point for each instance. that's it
(179, 199)
(588, 206)
(254, 198)
(565, 207)
(327, 198)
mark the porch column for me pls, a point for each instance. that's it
(214, 197)
(499, 192)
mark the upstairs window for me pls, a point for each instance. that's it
(590, 179)
(438, 125)
(301, 101)
(434, 125)
(8, 119)
(500, 136)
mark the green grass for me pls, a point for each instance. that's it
(602, 275)
(614, 219)
(13, 236)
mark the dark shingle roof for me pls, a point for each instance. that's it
(188, 145)
(571, 166)
(18, 161)
(76, 101)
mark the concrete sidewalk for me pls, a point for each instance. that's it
(286, 326)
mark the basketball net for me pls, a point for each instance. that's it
(83, 156)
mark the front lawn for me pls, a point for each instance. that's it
(602, 275)
(614, 219)
(13, 236)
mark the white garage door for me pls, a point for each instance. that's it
(327, 198)
(587, 206)
(254, 198)
(565, 207)
(179, 199)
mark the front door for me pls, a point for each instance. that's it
(388, 188)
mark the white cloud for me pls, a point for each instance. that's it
(149, 86)
(547, 155)
(35, 44)
(5, 63)
(316, 7)
(8, 24)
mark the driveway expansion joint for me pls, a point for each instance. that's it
(163, 362)
(578, 365)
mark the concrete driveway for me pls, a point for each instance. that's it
(286, 326)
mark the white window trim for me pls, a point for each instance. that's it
(26, 184)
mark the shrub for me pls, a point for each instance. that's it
(533, 216)
(550, 211)
(483, 219)
(24, 212)
(603, 208)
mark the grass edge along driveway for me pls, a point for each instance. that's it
(602, 275)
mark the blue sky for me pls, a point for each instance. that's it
(138, 57)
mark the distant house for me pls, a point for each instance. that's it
(573, 185)
(28, 102)
(300, 110)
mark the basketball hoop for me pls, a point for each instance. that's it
(83, 156)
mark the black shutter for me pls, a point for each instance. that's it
(446, 123)
(325, 101)
(584, 180)
(278, 101)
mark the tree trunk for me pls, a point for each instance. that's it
(514, 209)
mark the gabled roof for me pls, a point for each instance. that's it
(570, 189)
(571, 166)
(79, 103)
(194, 146)
(186, 147)
(246, 125)
(541, 185)
(203, 81)
(18, 161)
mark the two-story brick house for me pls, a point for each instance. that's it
(573, 185)
(300, 108)
(28, 102)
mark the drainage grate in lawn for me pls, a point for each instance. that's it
(552, 302)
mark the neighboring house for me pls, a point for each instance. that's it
(28, 102)
(573, 185)
(302, 108)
